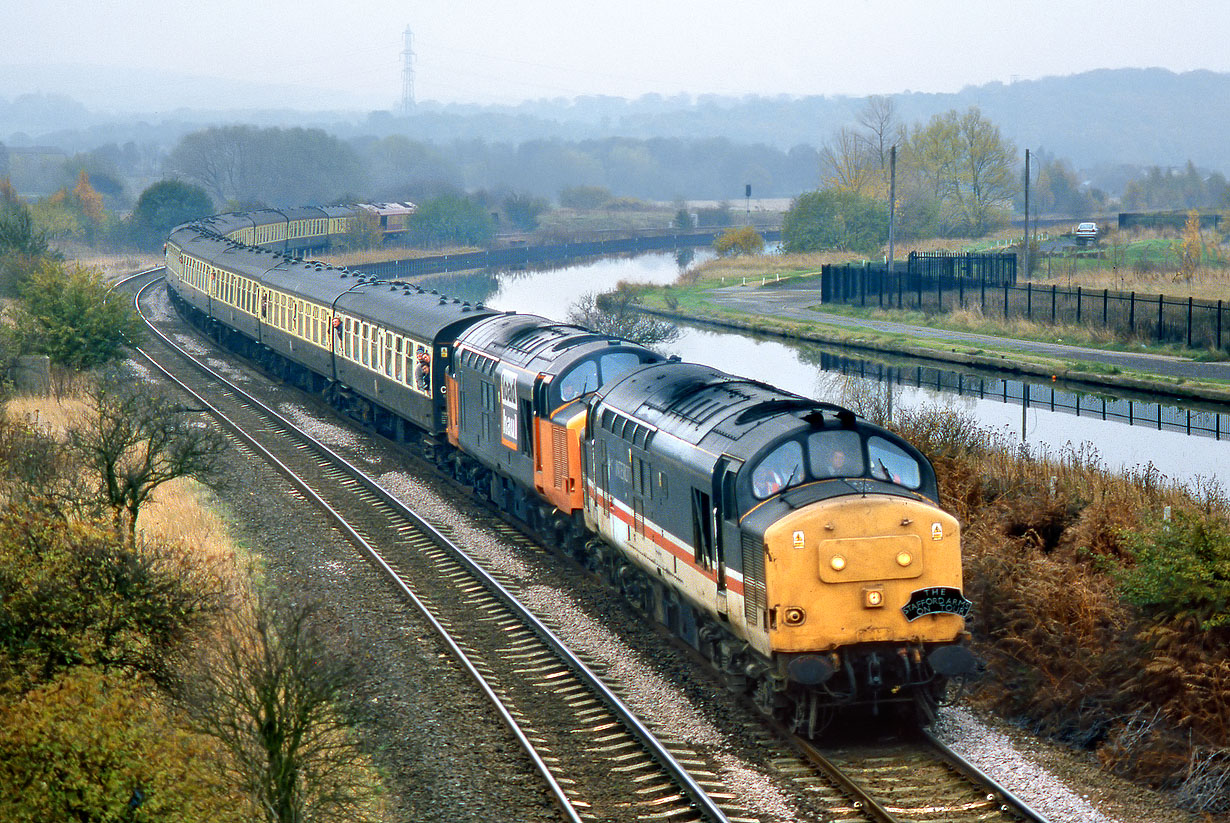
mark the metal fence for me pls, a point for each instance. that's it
(1045, 396)
(1184, 321)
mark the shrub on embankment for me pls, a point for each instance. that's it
(1101, 602)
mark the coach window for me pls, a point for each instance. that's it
(372, 351)
(388, 354)
(400, 359)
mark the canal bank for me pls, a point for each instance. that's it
(793, 314)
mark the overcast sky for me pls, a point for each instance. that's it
(510, 50)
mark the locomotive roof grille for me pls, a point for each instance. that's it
(774, 407)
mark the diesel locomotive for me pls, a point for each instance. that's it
(797, 546)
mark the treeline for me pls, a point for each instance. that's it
(283, 167)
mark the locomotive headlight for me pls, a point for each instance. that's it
(794, 616)
(904, 559)
(873, 598)
(838, 562)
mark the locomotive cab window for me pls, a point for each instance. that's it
(835, 454)
(579, 380)
(890, 462)
(780, 469)
(591, 375)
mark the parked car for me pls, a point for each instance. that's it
(1086, 233)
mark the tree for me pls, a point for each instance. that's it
(523, 210)
(135, 441)
(364, 231)
(584, 197)
(847, 163)
(277, 166)
(75, 594)
(745, 240)
(1191, 247)
(452, 219)
(23, 246)
(969, 168)
(88, 199)
(271, 698)
(96, 747)
(1058, 190)
(615, 313)
(881, 128)
(18, 234)
(70, 315)
(165, 205)
(835, 219)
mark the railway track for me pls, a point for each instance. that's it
(598, 761)
(596, 758)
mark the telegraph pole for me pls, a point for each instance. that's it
(1027, 213)
(892, 204)
(407, 74)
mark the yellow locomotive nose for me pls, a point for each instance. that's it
(850, 565)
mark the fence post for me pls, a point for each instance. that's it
(1131, 313)
(862, 287)
(1219, 325)
(1005, 301)
(961, 292)
(939, 294)
(1029, 301)
(1160, 308)
(982, 296)
(1053, 292)
(1078, 305)
(1189, 322)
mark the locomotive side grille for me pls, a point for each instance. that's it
(755, 599)
(559, 454)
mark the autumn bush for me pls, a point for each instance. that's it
(1101, 623)
(89, 745)
(76, 594)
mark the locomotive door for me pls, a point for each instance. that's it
(602, 473)
(725, 517)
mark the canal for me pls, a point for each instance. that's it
(1186, 443)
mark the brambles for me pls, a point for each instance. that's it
(1181, 569)
(1101, 623)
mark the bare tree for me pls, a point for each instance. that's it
(271, 697)
(847, 164)
(135, 440)
(616, 313)
(216, 158)
(882, 128)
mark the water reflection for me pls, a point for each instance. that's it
(1127, 431)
